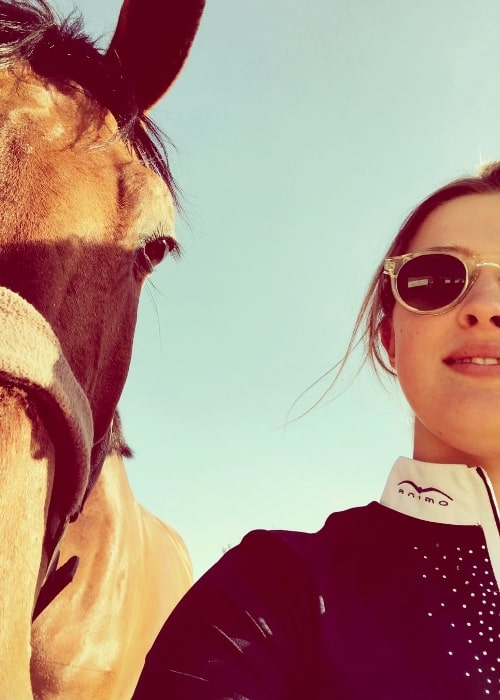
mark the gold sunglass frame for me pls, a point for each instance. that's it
(471, 263)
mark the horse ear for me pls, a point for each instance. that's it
(152, 41)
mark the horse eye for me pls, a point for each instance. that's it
(156, 250)
(152, 252)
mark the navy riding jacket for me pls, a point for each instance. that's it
(397, 600)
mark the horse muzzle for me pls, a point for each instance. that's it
(31, 358)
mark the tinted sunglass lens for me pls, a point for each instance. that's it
(430, 282)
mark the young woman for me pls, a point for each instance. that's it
(397, 600)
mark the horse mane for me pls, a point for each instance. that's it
(59, 51)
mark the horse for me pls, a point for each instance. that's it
(87, 205)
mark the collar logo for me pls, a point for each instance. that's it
(411, 490)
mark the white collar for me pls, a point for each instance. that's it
(451, 494)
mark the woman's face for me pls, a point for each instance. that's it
(439, 359)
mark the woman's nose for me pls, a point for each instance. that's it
(481, 304)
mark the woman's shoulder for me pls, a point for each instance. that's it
(353, 541)
(282, 570)
(296, 554)
(340, 527)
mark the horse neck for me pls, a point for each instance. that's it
(108, 499)
(26, 474)
(129, 561)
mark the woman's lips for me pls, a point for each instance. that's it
(475, 365)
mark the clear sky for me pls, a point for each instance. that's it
(304, 133)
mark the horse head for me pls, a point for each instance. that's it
(87, 206)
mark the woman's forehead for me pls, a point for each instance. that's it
(471, 222)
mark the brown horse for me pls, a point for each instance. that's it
(86, 212)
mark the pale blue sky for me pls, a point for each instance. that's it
(305, 132)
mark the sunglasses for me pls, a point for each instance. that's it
(432, 282)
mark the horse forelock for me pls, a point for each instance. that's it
(59, 51)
